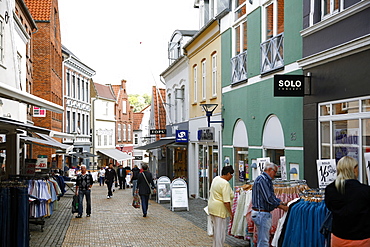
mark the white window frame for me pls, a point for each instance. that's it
(119, 132)
(124, 132)
(129, 132)
(275, 19)
(236, 9)
(195, 83)
(105, 140)
(99, 140)
(331, 11)
(124, 107)
(204, 79)
(360, 116)
(214, 75)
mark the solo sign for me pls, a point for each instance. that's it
(289, 85)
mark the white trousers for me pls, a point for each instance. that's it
(219, 231)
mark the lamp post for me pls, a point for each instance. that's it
(209, 109)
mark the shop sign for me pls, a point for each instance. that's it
(182, 136)
(179, 194)
(158, 132)
(42, 162)
(289, 85)
(206, 134)
(326, 172)
(164, 189)
(30, 165)
(139, 157)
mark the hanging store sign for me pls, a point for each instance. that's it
(158, 132)
(182, 136)
(42, 162)
(206, 134)
(289, 85)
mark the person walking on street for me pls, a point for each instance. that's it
(101, 174)
(135, 174)
(144, 183)
(219, 204)
(121, 173)
(263, 202)
(84, 183)
(110, 178)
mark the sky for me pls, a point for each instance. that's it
(122, 39)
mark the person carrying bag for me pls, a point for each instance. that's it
(145, 183)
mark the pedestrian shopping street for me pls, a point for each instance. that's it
(114, 222)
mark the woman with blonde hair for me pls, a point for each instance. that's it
(349, 202)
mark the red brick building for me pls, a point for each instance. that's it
(47, 68)
(124, 119)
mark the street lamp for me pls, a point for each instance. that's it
(209, 109)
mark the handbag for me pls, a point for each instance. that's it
(75, 204)
(151, 190)
(136, 201)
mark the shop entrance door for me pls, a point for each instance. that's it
(208, 168)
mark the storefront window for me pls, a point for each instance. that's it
(345, 139)
(346, 107)
(366, 105)
(275, 155)
(324, 110)
(325, 137)
(341, 130)
(241, 166)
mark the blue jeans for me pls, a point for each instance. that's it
(101, 181)
(81, 194)
(144, 203)
(134, 186)
(263, 221)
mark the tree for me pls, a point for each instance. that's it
(139, 102)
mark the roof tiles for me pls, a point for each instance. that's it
(40, 9)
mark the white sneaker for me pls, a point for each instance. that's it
(108, 197)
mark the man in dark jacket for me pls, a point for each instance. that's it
(84, 183)
(110, 177)
(121, 173)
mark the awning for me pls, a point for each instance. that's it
(116, 154)
(88, 154)
(9, 92)
(8, 124)
(78, 155)
(157, 144)
(46, 143)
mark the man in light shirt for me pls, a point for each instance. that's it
(219, 204)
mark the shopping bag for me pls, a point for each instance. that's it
(75, 204)
(209, 222)
(136, 201)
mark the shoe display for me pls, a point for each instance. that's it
(79, 216)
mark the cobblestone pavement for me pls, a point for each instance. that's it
(114, 222)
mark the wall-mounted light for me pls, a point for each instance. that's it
(254, 166)
(293, 171)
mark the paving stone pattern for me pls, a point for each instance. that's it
(114, 222)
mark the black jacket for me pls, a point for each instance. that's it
(111, 175)
(142, 185)
(123, 172)
(351, 211)
(135, 173)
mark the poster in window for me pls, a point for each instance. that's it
(261, 162)
(346, 143)
(241, 171)
(283, 168)
(326, 172)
